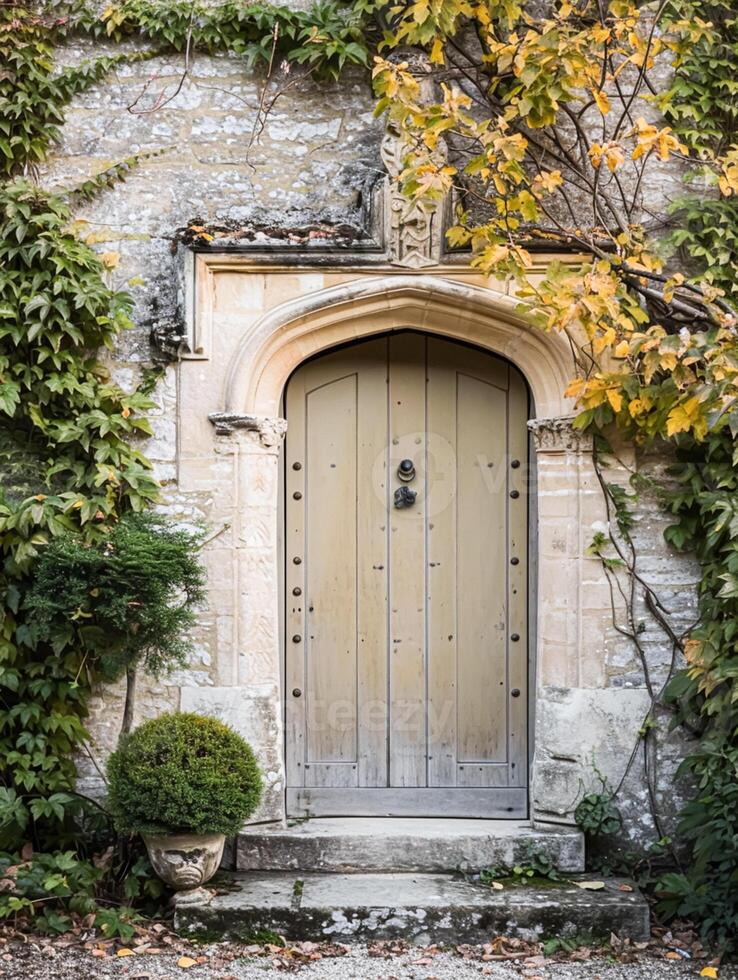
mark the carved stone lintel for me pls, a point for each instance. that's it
(271, 430)
(558, 435)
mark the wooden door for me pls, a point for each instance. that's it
(406, 645)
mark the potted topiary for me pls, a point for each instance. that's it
(184, 782)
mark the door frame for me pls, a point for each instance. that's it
(532, 552)
(256, 315)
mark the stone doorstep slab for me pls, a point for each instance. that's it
(423, 908)
(361, 844)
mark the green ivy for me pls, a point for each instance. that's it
(708, 233)
(702, 101)
(324, 38)
(706, 506)
(51, 890)
(68, 434)
(68, 423)
(702, 106)
(33, 92)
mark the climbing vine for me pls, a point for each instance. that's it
(545, 128)
(69, 433)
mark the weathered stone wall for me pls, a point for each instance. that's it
(307, 177)
(310, 161)
(592, 709)
(308, 169)
(651, 813)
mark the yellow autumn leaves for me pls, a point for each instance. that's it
(728, 175)
(650, 138)
(647, 138)
(522, 106)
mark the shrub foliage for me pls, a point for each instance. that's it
(129, 599)
(183, 773)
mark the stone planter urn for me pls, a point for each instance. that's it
(185, 861)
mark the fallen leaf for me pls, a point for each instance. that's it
(708, 971)
(125, 951)
(186, 962)
(672, 956)
(104, 861)
(591, 886)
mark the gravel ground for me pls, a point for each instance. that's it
(20, 961)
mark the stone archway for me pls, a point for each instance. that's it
(293, 331)
(572, 601)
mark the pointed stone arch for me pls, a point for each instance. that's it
(295, 330)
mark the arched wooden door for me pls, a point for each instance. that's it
(406, 582)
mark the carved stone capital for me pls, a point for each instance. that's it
(558, 435)
(270, 430)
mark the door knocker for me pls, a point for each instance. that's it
(404, 497)
(406, 471)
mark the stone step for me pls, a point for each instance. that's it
(422, 908)
(362, 844)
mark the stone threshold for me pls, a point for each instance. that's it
(368, 844)
(422, 908)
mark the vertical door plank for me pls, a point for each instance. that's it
(481, 510)
(407, 634)
(373, 558)
(340, 692)
(319, 775)
(331, 561)
(518, 578)
(294, 539)
(442, 548)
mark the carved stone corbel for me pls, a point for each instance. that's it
(414, 229)
(558, 435)
(271, 431)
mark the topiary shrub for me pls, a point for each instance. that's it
(125, 601)
(183, 773)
